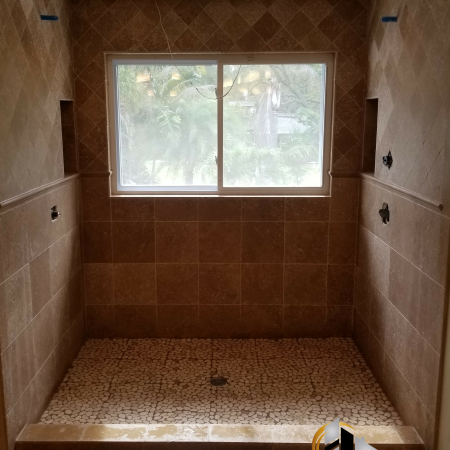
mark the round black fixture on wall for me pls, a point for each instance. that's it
(387, 160)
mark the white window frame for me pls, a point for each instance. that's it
(114, 58)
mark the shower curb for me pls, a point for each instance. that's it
(202, 437)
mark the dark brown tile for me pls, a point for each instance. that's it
(263, 209)
(340, 285)
(305, 284)
(177, 321)
(219, 284)
(220, 321)
(262, 242)
(219, 242)
(176, 242)
(306, 243)
(304, 321)
(133, 242)
(219, 209)
(98, 282)
(177, 284)
(135, 321)
(262, 284)
(342, 245)
(97, 242)
(176, 209)
(307, 209)
(130, 209)
(95, 200)
(339, 321)
(134, 284)
(40, 281)
(344, 199)
(262, 321)
(100, 321)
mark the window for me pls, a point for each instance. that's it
(220, 124)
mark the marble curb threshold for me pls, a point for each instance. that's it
(42, 436)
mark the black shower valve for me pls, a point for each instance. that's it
(384, 214)
(387, 160)
(54, 214)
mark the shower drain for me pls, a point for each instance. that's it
(218, 381)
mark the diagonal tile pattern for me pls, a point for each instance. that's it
(219, 26)
(304, 381)
(408, 70)
(36, 72)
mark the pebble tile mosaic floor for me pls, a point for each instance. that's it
(269, 382)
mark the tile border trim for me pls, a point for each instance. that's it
(27, 196)
(406, 193)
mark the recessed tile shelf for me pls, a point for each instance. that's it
(182, 436)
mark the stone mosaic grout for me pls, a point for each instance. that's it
(167, 381)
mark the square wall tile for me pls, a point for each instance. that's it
(306, 242)
(305, 284)
(132, 209)
(176, 209)
(342, 244)
(262, 242)
(97, 242)
(220, 321)
(177, 284)
(262, 321)
(177, 321)
(219, 242)
(262, 284)
(135, 321)
(98, 283)
(134, 284)
(100, 321)
(219, 284)
(176, 242)
(133, 242)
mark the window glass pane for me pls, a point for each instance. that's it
(273, 125)
(167, 129)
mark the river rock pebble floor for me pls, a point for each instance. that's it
(269, 382)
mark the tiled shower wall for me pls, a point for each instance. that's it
(41, 301)
(36, 72)
(219, 267)
(41, 294)
(212, 266)
(402, 268)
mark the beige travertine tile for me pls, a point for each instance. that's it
(174, 432)
(114, 433)
(240, 433)
(52, 432)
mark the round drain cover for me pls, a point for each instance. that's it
(218, 381)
